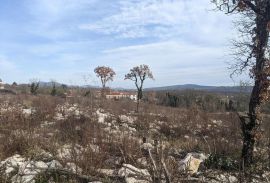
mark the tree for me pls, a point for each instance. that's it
(105, 74)
(14, 84)
(64, 87)
(139, 74)
(252, 53)
(34, 86)
(53, 91)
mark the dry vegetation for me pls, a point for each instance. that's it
(92, 139)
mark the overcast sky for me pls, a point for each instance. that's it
(183, 41)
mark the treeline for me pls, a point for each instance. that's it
(207, 101)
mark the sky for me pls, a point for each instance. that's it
(183, 41)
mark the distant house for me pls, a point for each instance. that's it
(121, 95)
(2, 85)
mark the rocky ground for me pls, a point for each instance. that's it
(49, 140)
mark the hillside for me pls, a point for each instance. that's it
(222, 89)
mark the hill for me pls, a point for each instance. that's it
(222, 89)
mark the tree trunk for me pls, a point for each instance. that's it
(251, 127)
(137, 105)
(139, 97)
(248, 142)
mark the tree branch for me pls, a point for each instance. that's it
(252, 6)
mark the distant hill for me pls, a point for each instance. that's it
(48, 84)
(217, 89)
(221, 89)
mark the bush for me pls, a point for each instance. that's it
(221, 162)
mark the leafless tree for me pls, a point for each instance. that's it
(105, 74)
(139, 74)
(252, 53)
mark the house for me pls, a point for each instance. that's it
(121, 95)
(2, 85)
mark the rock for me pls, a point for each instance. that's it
(192, 162)
(94, 148)
(21, 170)
(54, 164)
(107, 172)
(224, 178)
(127, 119)
(147, 146)
(142, 161)
(59, 116)
(217, 122)
(27, 112)
(68, 151)
(73, 168)
(266, 175)
(46, 124)
(28, 171)
(101, 116)
(134, 175)
(12, 164)
(41, 155)
(134, 180)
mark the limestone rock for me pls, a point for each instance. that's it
(134, 175)
(191, 162)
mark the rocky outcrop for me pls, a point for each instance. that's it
(21, 170)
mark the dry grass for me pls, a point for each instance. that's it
(180, 129)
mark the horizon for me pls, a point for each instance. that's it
(131, 88)
(65, 40)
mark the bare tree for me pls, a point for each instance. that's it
(105, 74)
(252, 53)
(139, 74)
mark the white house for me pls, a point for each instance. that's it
(2, 85)
(120, 95)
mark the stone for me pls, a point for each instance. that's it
(130, 171)
(107, 172)
(191, 162)
(11, 164)
(54, 164)
(73, 168)
(28, 171)
(134, 180)
(142, 161)
(21, 170)
(147, 146)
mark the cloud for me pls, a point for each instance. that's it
(161, 19)
(56, 19)
(172, 62)
(64, 39)
(57, 9)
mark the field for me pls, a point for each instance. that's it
(85, 139)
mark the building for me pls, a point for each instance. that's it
(2, 85)
(121, 95)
